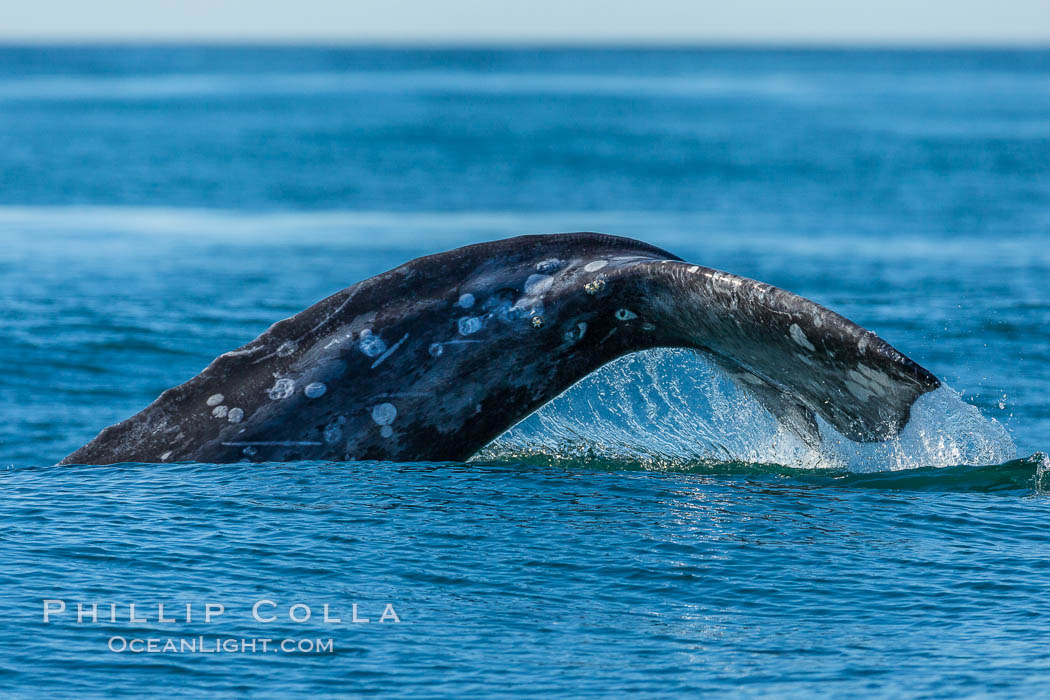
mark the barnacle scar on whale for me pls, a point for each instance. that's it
(436, 358)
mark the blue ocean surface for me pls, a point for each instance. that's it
(652, 530)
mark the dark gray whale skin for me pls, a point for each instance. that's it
(432, 360)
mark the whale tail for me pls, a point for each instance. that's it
(495, 330)
(796, 357)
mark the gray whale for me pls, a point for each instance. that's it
(432, 360)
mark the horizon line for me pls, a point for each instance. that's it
(536, 43)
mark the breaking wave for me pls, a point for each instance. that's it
(672, 409)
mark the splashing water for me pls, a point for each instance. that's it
(671, 408)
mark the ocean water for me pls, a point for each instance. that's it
(652, 530)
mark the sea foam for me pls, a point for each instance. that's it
(670, 408)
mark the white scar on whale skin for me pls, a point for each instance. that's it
(281, 389)
(469, 325)
(437, 349)
(330, 316)
(240, 353)
(384, 414)
(799, 337)
(538, 284)
(857, 390)
(390, 351)
(370, 344)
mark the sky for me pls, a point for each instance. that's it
(532, 21)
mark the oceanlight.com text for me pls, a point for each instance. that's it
(218, 645)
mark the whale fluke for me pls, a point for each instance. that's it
(436, 358)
